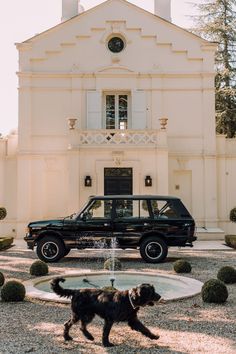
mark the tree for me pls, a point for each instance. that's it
(217, 22)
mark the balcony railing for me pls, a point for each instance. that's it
(117, 137)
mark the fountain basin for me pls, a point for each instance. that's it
(170, 287)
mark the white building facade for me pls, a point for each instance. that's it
(116, 100)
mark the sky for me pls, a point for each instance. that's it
(22, 19)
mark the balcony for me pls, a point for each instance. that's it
(105, 137)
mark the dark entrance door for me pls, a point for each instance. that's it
(118, 181)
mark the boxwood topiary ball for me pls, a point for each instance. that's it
(39, 268)
(2, 279)
(13, 290)
(109, 264)
(227, 274)
(215, 291)
(182, 266)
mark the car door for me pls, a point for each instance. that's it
(95, 225)
(131, 220)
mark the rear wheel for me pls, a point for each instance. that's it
(50, 249)
(153, 249)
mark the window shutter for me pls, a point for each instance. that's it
(94, 110)
(139, 110)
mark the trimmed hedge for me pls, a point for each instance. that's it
(5, 242)
(182, 266)
(230, 241)
(108, 264)
(227, 274)
(2, 279)
(39, 268)
(13, 290)
(214, 291)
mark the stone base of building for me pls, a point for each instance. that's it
(210, 234)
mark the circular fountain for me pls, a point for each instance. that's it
(170, 287)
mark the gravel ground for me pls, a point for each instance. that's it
(184, 326)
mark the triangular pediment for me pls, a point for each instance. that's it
(75, 41)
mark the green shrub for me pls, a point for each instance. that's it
(3, 213)
(39, 268)
(232, 215)
(5, 242)
(230, 241)
(109, 288)
(182, 266)
(227, 275)
(2, 279)
(108, 264)
(13, 290)
(214, 291)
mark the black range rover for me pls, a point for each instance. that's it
(148, 223)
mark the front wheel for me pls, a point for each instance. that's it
(50, 249)
(153, 249)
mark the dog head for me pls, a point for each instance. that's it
(143, 295)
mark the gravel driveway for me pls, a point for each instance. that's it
(185, 326)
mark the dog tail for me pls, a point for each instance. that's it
(56, 287)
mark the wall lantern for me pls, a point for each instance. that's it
(148, 181)
(88, 181)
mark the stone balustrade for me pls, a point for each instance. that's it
(117, 137)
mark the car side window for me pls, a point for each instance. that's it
(99, 209)
(162, 209)
(132, 209)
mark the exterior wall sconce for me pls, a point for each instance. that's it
(88, 181)
(148, 181)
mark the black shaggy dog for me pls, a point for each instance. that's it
(112, 306)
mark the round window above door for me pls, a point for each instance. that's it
(116, 44)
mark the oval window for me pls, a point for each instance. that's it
(116, 44)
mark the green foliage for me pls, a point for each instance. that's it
(216, 22)
(227, 274)
(109, 288)
(5, 242)
(2, 279)
(109, 264)
(13, 290)
(214, 291)
(232, 215)
(3, 213)
(182, 266)
(230, 240)
(39, 268)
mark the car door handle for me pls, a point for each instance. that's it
(146, 224)
(106, 224)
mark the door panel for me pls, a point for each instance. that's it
(118, 181)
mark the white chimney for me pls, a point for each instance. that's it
(70, 8)
(162, 8)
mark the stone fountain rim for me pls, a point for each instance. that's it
(34, 293)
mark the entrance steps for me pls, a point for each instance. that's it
(210, 234)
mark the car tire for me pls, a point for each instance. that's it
(50, 249)
(153, 249)
(67, 251)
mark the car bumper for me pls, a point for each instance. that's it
(30, 242)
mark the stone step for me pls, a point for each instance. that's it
(210, 234)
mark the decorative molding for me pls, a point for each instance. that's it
(118, 157)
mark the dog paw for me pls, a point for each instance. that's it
(67, 338)
(108, 344)
(154, 336)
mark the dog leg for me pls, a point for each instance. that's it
(136, 325)
(84, 322)
(67, 327)
(106, 332)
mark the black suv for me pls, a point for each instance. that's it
(150, 223)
